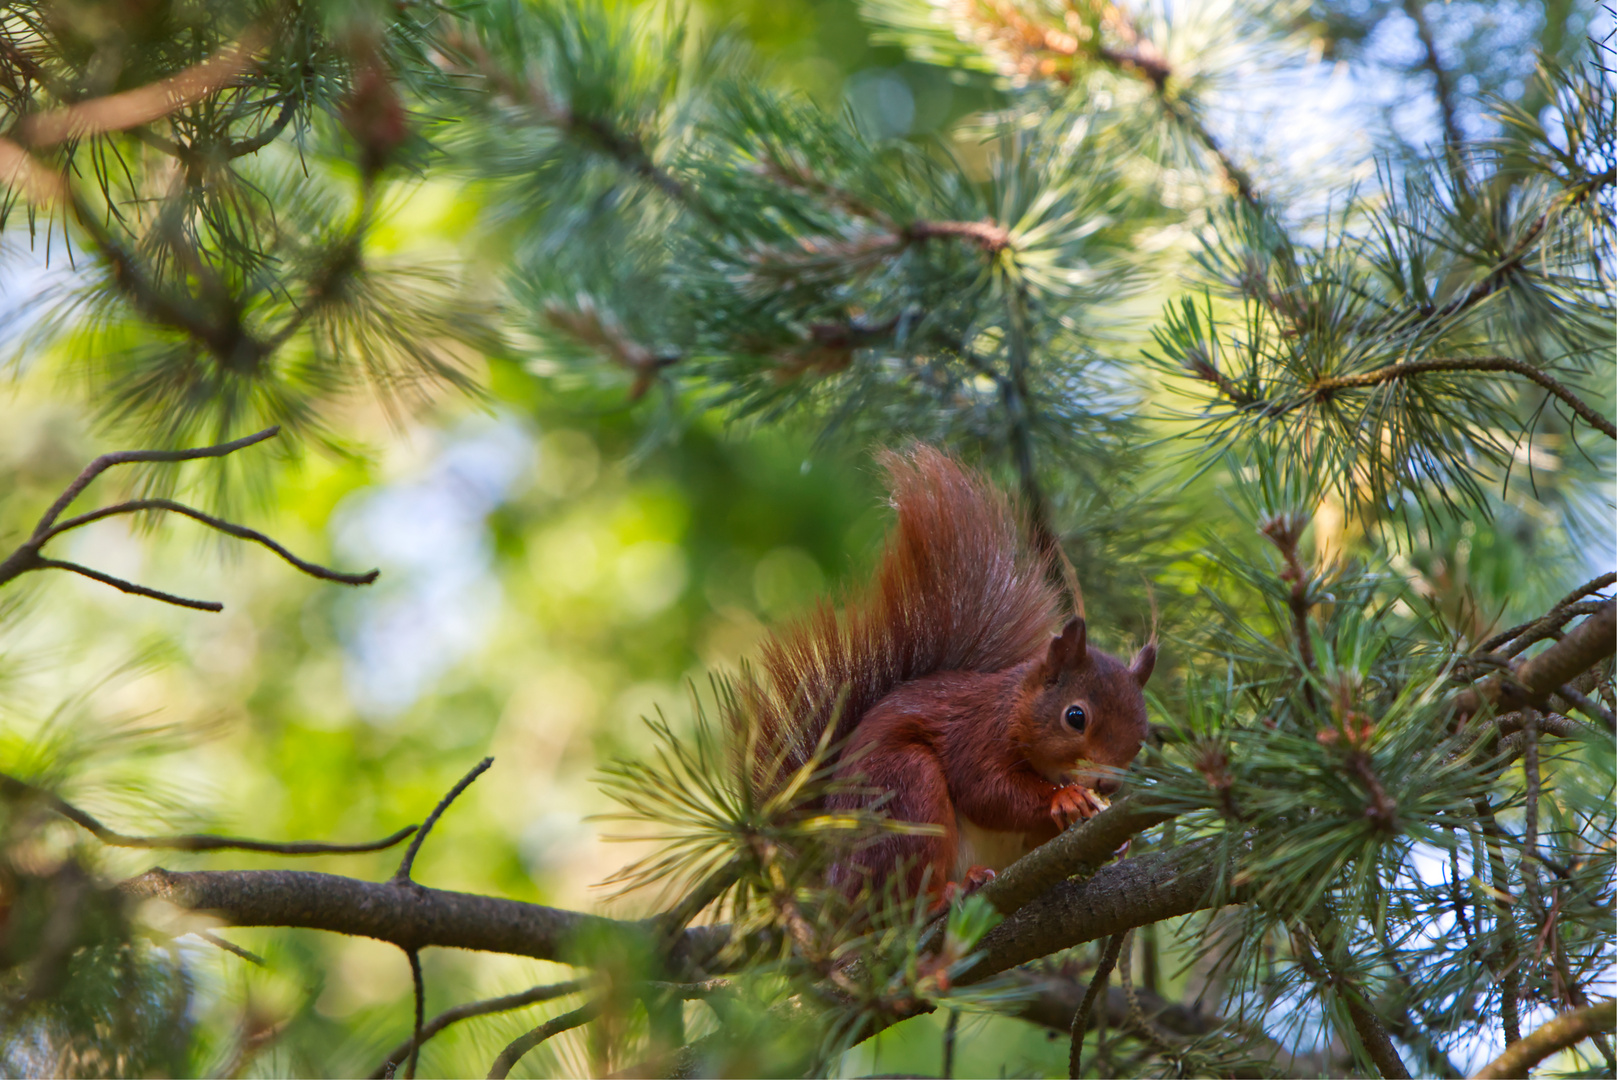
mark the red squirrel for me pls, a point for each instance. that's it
(953, 698)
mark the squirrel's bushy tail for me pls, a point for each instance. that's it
(959, 589)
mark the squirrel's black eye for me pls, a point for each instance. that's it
(1075, 717)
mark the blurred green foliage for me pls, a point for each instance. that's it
(559, 562)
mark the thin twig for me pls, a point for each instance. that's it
(1372, 1033)
(532, 996)
(239, 531)
(1324, 388)
(129, 457)
(419, 984)
(1453, 140)
(230, 947)
(521, 1045)
(124, 586)
(402, 874)
(1284, 531)
(1539, 628)
(27, 556)
(1080, 1019)
(1530, 780)
(12, 788)
(1509, 950)
(1587, 705)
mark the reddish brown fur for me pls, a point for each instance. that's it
(955, 689)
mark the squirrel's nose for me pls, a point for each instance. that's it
(1105, 785)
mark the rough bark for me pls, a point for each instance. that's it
(1558, 1034)
(1116, 898)
(405, 914)
(1077, 850)
(1532, 681)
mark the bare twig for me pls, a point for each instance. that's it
(132, 457)
(1531, 781)
(520, 1046)
(473, 1008)
(1587, 705)
(136, 506)
(1551, 620)
(1560, 1033)
(1509, 950)
(124, 586)
(12, 788)
(1080, 1019)
(419, 985)
(402, 874)
(230, 947)
(27, 556)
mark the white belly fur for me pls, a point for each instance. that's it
(986, 847)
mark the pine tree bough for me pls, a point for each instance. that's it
(1077, 850)
(1117, 897)
(405, 914)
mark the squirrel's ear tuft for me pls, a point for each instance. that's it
(1143, 662)
(1067, 651)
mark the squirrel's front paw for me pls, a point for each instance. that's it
(976, 878)
(1074, 803)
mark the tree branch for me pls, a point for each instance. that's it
(1080, 1017)
(1530, 682)
(1558, 1034)
(12, 788)
(409, 916)
(1453, 140)
(1117, 897)
(521, 1045)
(1367, 1025)
(1324, 388)
(240, 532)
(474, 1008)
(401, 876)
(27, 556)
(1548, 622)
(132, 457)
(1078, 850)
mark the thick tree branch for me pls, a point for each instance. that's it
(1118, 897)
(1078, 850)
(1558, 1034)
(410, 916)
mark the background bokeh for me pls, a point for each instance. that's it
(549, 576)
